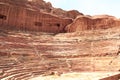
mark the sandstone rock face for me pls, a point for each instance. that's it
(73, 14)
(34, 4)
(40, 5)
(47, 7)
(25, 53)
(91, 23)
(58, 11)
(67, 14)
(28, 54)
(26, 18)
(28, 15)
(43, 6)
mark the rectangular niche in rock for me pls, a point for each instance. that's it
(3, 17)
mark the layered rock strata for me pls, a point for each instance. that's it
(93, 22)
(29, 54)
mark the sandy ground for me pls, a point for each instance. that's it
(78, 76)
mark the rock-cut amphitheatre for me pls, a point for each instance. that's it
(40, 42)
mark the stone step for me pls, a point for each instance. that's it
(19, 71)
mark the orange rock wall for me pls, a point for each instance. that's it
(89, 23)
(14, 17)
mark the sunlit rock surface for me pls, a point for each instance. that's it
(82, 23)
(25, 55)
(94, 45)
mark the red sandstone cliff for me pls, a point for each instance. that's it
(41, 5)
(30, 16)
(34, 4)
(93, 22)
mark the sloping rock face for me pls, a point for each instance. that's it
(73, 14)
(34, 4)
(41, 5)
(47, 7)
(93, 22)
(69, 14)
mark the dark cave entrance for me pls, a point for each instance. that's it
(3, 17)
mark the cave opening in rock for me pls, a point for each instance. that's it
(58, 25)
(3, 17)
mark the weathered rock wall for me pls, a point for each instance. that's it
(41, 5)
(15, 17)
(27, 54)
(62, 13)
(92, 23)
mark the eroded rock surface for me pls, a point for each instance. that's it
(41, 5)
(69, 14)
(25, 16)
(92, 23)
(94, 45)
(28, 54)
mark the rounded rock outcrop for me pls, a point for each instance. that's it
(92, 23)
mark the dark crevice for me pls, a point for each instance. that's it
(3, 17)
